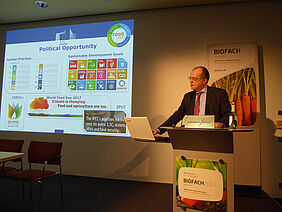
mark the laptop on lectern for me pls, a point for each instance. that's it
(139, 128)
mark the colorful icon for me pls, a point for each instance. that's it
(92, 64)
(72, 85)
(122, 63)
(39, 103)
(121, 83)
(102, 63)
(101, 74)
(73, 64)
(91, 74)
(122, 73)
(98, 74)
(72, 75)
(119, 35)
(14, 112)
(81, 85)
(91, 84)
(111, 84)
(101, 84)
(81, 75)
(82, 64)
(112, 63)
(111, 74)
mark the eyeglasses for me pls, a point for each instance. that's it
(194, 78)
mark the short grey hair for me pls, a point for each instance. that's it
(205, 72)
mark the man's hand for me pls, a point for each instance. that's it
(155, 131)
(218, 125)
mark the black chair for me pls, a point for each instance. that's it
(8, 145)
(44, 153)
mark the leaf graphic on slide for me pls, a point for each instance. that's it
(14, 112)
(10, 112)
(18, 111)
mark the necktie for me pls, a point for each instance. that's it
(197, 104)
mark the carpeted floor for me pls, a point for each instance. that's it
(106, 195)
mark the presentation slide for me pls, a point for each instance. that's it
(74, 79)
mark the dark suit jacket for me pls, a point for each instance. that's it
(216, 104)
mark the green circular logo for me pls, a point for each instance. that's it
(119, 35)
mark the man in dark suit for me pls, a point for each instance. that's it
(203, 100)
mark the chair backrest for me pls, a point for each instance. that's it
(39, 152)
(8, 145)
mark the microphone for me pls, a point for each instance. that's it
(182, 125)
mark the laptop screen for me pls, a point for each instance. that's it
(139, 128)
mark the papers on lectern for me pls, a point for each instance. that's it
(192, 121)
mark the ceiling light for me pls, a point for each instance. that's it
(41, 4)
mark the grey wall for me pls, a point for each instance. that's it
(167, 45)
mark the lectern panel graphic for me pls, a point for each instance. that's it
(203, 169)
